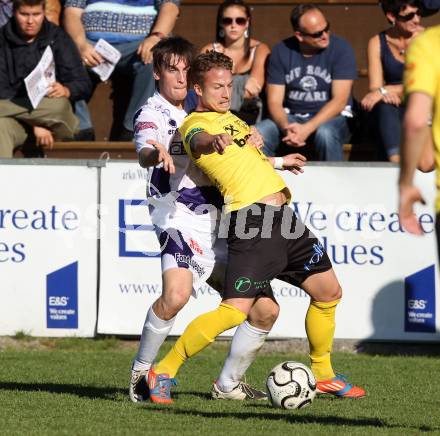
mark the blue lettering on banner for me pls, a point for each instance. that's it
(62, 298)
(124, 228)
(420, 301)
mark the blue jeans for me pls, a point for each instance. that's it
(389, 122)
(328, 139)
(143, 84)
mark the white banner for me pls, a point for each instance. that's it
(48, 250)
(387, 276)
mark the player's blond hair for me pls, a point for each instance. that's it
(207, 61)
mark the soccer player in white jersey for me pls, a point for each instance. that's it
(182, 207)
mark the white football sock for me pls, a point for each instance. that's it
(245, 344)
(154, 333)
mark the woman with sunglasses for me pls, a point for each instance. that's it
(386, 56)
(233, 38)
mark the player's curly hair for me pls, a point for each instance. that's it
(207, 61)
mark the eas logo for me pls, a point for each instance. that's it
(62, 298)
(417, 304)
(58, 301)
(420, 301)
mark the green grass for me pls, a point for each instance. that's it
(79, 386)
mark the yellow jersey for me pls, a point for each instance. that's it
(422, 74)
(243, 174)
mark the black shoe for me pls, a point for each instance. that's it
(85, 135)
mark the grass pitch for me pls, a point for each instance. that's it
(79, 386)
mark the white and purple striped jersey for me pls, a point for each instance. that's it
(158, 120)
(183, 206)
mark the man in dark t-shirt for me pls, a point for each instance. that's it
(309, 82)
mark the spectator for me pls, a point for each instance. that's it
(133, 27)
(5, 11)
(53, 10)
(430, 7)
(309, 82)
(233, 38)
(22, 42)
(386, 56)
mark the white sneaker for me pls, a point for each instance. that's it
(241, 392)
(138, 388)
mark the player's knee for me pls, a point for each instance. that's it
(331, 294)
(272, 315)
(178, 300)
(264, 319)
(170, 304)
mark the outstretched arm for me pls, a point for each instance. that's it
(149, 157)
(415, 135)
(205, 143)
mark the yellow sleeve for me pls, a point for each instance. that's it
(421, 69)
(189, 128)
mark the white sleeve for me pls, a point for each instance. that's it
(147, 127)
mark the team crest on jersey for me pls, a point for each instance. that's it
(144, 125)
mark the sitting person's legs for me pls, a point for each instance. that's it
(53, 113)
(141, 75)
(329, 139)
(389, 122)
(271, 136)
(12, 134)
(57, 115)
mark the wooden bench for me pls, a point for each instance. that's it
(126, 150)
(82, 150)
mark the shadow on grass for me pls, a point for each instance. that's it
(291, 418)
(92, 392)
(201, 395)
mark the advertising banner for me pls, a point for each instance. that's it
(388, 277)
(48, 250)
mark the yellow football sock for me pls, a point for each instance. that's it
(199, 334)
(320, 328)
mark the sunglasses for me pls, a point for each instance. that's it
(227, 21)
(408, 17)
(317, 35)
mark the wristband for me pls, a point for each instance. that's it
(160, 35)
(278, 163)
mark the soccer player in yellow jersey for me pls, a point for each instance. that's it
(265, 240)
(422, 87)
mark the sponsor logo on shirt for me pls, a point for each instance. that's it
(144, 125)
(242, 284)
(195, 246)
(183, 258)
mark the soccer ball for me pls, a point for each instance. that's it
(291, 385)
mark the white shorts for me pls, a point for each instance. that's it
(188, 240)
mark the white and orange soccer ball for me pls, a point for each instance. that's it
(291, 385)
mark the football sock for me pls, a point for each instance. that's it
(320, 328)
(245, 344)
(198, 335)
(154, 334)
